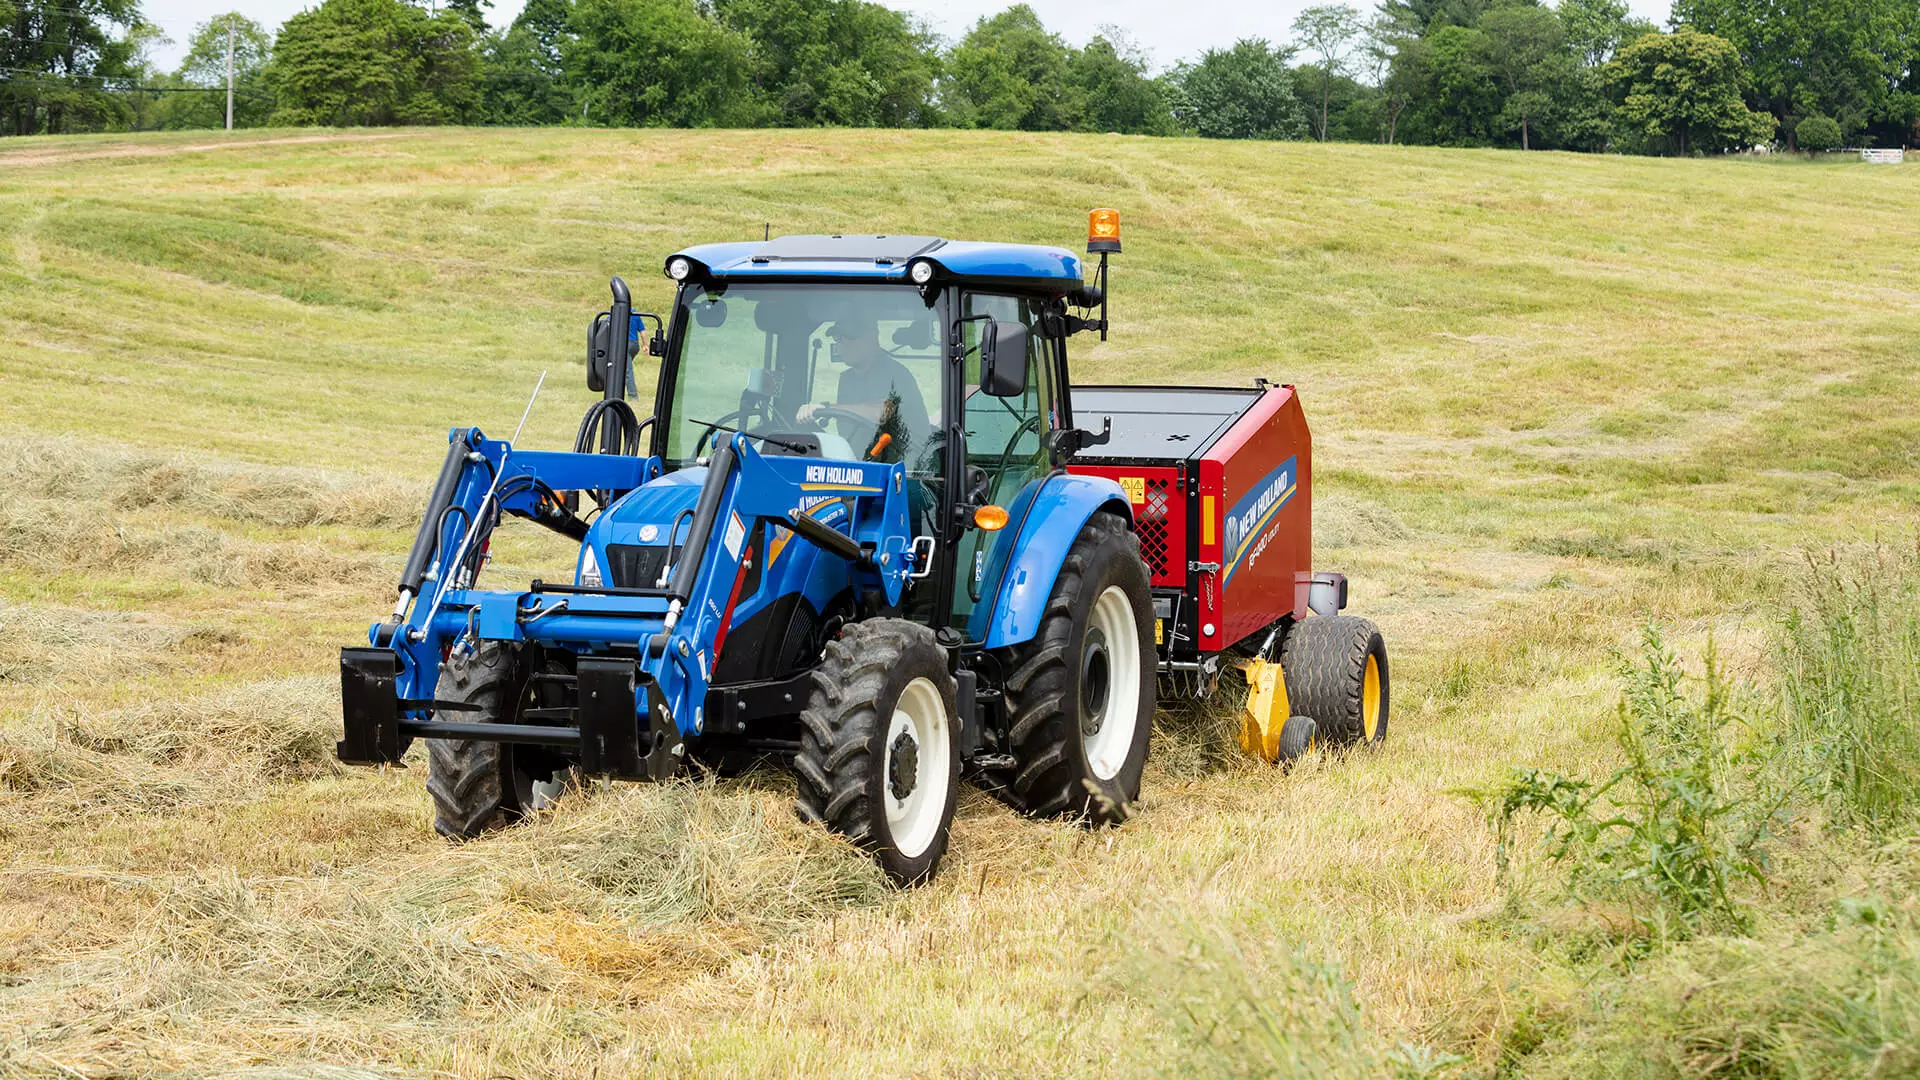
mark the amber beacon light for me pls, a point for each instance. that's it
(1103, 231)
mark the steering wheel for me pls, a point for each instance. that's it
(733, 419)
(824, 413)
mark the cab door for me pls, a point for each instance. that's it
(1005, 441)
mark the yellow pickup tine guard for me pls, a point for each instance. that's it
(1266, 710)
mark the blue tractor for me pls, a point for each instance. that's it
(845, 539)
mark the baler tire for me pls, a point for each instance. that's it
(1296, 738)
(873, 674)
(1052, 775)
(471, 781)
(1336, 672)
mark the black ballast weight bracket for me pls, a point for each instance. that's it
(371, 705)
(611, 742)
(609, 737)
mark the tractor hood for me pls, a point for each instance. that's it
(629, 539)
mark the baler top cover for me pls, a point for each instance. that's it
(886, 259)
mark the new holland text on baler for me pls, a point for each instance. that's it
(861, 533)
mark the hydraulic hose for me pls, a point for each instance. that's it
(609, 427)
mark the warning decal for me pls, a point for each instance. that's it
(736, 535)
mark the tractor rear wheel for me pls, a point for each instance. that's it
(1081, 693)
(1336, 672)
(879, 758)
(477, 786)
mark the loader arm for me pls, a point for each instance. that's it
(646, 656)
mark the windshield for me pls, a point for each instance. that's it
(845, 371)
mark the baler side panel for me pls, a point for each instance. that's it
(1159, 498)
(1260, 471)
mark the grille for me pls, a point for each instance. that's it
(1152, 524)
(635, 567)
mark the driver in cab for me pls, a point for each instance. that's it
(876, 388)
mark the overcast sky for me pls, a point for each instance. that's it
(1167, 31)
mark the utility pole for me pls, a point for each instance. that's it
(229, 73)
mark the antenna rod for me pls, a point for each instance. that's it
(529, 409)
(449, 576)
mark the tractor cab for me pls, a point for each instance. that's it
(946, 358)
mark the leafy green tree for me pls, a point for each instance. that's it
(1585, 111)
(1396, 54)
(1420, 18)
(1461, 96)
(1682, 92)
(1328, 32)
(1596, 29)
(658, 63)
(1109, 77)
(1818, 133)
(1010, 73)
(836, 61)
(1245, 92)
(64, 60)
(374, 62)
(1353, 107)
(1527, 55)
(1851, 60)
(205, 65)
(470, 10)
(525, 80)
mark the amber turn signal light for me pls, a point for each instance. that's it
(990, 518)
(1103, 230)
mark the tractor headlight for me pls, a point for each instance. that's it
(590, 576)
(920, 271)
(679, 268)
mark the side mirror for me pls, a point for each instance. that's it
(1003, 358)
(599, 354)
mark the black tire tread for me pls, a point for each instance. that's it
(1296, 735)
(835, 765)
(468, 779)
(1045, 780)
(1323, 659)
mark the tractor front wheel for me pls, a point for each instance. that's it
(1081, 693)
(879, 758)
(476, 785)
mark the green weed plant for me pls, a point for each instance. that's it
(1685, 819)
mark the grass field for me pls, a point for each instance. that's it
(1555, 399)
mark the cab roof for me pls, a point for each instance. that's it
(885, 258)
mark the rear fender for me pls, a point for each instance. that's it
(1026, 563)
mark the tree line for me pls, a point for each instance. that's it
(1572, 75)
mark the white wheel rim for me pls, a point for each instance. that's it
(1113, 718)
(546, 793)
(922, 716)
